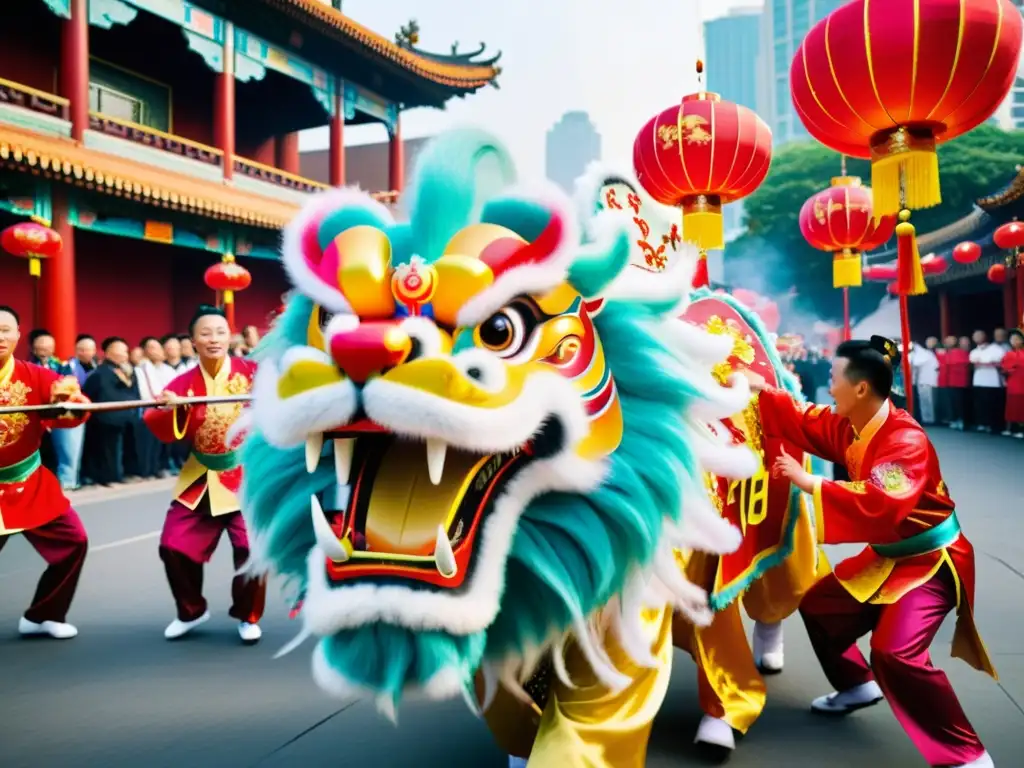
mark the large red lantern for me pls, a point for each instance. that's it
(966, 252)
(32, 241)
(1009, 236)
(227, 277)
(890, 79)
(698, 156)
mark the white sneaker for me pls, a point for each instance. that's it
(179, 628)
(58, 630)
(985, 761)
(845, 702)
(716, 733)
(250, 633)
(768, 647)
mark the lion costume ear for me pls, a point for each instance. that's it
(310, 250)
(543, 216)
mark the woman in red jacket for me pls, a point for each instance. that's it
(955, 373)
(1013, 368)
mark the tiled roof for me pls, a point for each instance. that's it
(68, 161)
(458, 73)
(1011, 193)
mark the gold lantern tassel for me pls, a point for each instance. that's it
(228, 297)
(705, 228)
(35, 266)
(909, 273)
(846, 269)
(905, 160)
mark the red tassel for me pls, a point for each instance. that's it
(700, 275)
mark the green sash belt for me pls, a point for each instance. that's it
(217, 462)
(20, 472)
(932, 540)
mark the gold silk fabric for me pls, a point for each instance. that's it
(592, 727)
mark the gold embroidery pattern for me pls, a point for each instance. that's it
(212, 436)
(890, 478)
(855, 486)
(940, 489)
(694, 129)
(711, 483)
(13, 425)
(741, 347)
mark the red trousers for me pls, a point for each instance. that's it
(920, 695)
(62, 543)
(188, 541)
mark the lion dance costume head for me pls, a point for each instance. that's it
(473, 436)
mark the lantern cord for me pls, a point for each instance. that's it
(842, 165)
(846, 313)
(908, 262)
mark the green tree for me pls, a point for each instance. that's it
(772, 256)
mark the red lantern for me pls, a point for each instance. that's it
(889, 79)
(32, 241)
(1009, 237)
(966, 253)
(840, 220)
(997, 274)
(700, 155)
(227, 277)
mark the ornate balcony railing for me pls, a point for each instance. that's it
(272, 175)
(26, 97)
(151, 137)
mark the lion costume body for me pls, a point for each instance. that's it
(779, 559)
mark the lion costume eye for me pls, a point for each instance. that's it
(324, 316)
(507, 331)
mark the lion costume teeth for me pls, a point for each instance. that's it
(474, 439)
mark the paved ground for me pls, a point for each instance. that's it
(119, 696)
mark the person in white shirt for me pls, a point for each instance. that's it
(925, 367)
(987, 383)
(153, 376)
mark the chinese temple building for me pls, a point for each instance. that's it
(962, 299)
(160, 136)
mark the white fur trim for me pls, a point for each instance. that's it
(328, 610)
(292, 257)
(722, 402)
(287, 423)
(697, 343)
(536, 278)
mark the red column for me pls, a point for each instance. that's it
(74, 67)
(1020, 297)
(944, 324)
(224, 104)
(288, 153)
(57, 284)
(337, 153)
(1009, 305)
(396, 159)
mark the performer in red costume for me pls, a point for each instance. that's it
(917, 566)
(31, 500)
(205, 503)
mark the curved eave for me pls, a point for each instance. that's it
(1013, 192)
(961, 229)
(457, 77)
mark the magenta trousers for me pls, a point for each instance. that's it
(188, 541)
(919, 694)
(62, 543)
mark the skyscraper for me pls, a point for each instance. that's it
(572, 144)
(732, 43)
(1010, 115)
(784, 24)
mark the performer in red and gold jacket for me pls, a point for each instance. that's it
(205, 501)
(31, 500)
(917, 567)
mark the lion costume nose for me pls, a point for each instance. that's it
(370, 348)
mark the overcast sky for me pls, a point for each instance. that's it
(619, 60)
